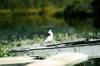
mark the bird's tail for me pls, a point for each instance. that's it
(42, 43)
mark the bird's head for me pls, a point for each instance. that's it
(50, 31)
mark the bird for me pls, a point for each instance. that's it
(49, 37)
(62, 59)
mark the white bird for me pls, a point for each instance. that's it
(49, 37)
(62, 59)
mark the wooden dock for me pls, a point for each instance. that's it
(20, 60)
(90, 48)
(34, 54)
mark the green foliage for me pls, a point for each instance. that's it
(4, 51)
(25, 22)
(36, 35)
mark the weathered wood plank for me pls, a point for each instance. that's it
(16, 60)
(91, 50)
(60, 45)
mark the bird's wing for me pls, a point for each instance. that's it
(46, 37)
(47, 34)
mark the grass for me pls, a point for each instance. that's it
(36, 35)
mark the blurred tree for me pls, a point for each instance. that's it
(77, 12)
(4, 4)
(96, 9)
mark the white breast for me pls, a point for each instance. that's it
(49, 38)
